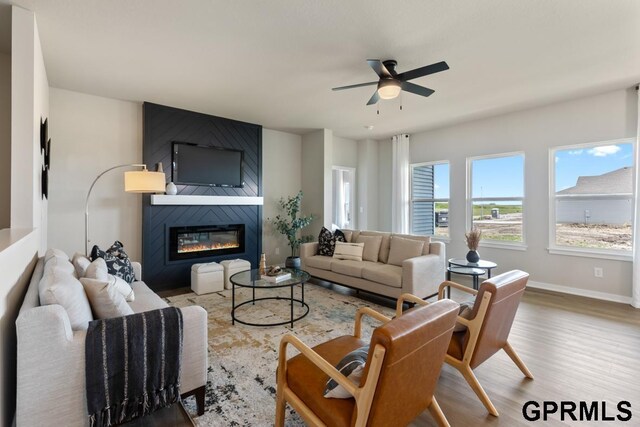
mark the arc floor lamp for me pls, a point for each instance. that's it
(143, 181)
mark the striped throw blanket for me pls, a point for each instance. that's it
(133, 365)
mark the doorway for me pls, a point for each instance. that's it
(344, 197)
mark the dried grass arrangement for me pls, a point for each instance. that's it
(473, 238)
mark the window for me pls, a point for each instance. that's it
(496, 196)
(592, 197)
(430, 199)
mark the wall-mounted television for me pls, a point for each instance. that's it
(194, 164)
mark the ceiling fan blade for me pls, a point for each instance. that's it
(352, 86)
(423, 71)
(379, 68)
(374, 99)
(418, 90)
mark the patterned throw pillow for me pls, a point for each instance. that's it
(327, 241)
(117, 260)
(352, 367)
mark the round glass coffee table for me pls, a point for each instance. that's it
(251, 279)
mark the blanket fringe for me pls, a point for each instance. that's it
(129, 409)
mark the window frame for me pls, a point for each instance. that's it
(553, 247)
(434, 200)
(490, 243)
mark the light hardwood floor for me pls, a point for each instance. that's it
(577, 349)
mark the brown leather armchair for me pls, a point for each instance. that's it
(488, 326)
(402, 369)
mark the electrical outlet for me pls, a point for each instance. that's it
(597, 271)
(277, 251)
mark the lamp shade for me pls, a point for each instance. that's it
(144, 182)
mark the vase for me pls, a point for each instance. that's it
(292, 262)
(171, 189)
(473, 256)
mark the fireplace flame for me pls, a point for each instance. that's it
(199, 247)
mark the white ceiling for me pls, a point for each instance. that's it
(274, 62)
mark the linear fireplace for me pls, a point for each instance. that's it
(203, 241)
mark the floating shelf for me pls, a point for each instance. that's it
(163, 199)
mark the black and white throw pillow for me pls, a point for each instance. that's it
(327, 241)
(117, 261)
(352, 367)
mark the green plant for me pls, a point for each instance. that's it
(289, 223)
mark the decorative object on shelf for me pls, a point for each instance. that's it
(289, 224)
(473, 241)
(45, 182)
(263, 264)
(143, 181)
(171, 189)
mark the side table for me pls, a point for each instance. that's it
(474, 269)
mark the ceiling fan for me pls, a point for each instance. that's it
(391, 83)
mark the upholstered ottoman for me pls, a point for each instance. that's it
(207, 278)
(232, 267)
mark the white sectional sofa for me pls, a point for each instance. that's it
(419, 275)
(51, 356)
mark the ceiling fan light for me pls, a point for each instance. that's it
(389, 88)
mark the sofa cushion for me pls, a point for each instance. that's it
(106, 301)
(425, 239)
(371, 247)
(385, 274)
(351, 235)
(117, 261)
(319, 261)
(52, 252)
(402, 249)
(98, 270)
(146, 299)
(347, 267)
(58, 286)
(383, 256)
(327, 241)
(351, 251)
(80, 263)
(61, 263)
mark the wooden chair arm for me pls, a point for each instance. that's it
(458, 286)
(316, 359)
(408, 298)
(357, 329)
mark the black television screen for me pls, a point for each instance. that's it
(202, 165)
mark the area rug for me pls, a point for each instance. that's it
(241, 383)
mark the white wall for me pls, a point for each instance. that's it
(367, 182)
(385, 157)
(5, 140)
(281, 177)
(90, 135)
(20, 245)
(345, 152)
(317, 159)
(598, 118)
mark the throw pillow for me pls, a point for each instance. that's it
(98, 270)
(466, 308)
(106, 301)
(61, 263)
(350, 251)
(58, 286)
(352, 367)
(371, 247)
(51, 252)
(402, 249)
(80, 263)
(117, 260)
(327, 241)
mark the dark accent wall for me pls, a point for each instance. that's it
(162, 125)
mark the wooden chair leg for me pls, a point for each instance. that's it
(468, 375)
(200, 394)
(516, 359)
(280, 410)
(437, 413)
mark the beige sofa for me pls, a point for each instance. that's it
(51, 356)
(420, 275)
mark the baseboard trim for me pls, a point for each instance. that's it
(579, 292)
